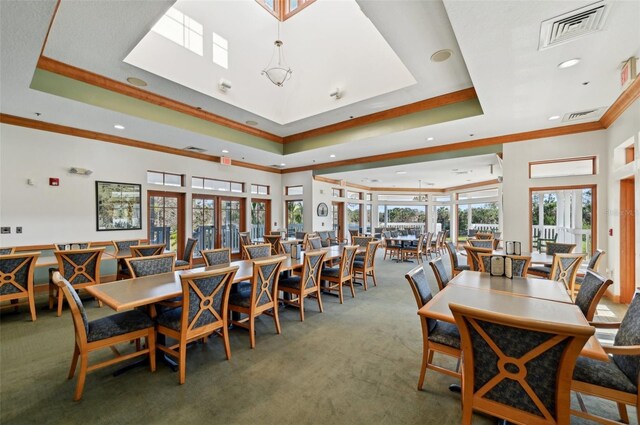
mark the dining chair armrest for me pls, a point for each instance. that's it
(627, 350)
(605, 325)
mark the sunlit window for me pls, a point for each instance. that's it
(181, 29)
(220, 51)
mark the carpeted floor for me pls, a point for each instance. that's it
(356, 363)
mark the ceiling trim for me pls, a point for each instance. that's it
(426, 104)
(88, 77)
(621, 104)
(407, 189)
(489, 141)
(53, 16)
(88, 134)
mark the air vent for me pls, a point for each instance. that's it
(277, 166)
(572, 25)
(582, 115)
(194, 149)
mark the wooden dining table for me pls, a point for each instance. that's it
(130, 293)
(534, 299)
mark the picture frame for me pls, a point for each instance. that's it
(118, 206)
(322, 210)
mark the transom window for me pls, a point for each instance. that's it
(354, 195)
(181, 29)
(284, 9)
(294, 190)
(213, 184)
(336, 193)
(259, 189)
(165, 179)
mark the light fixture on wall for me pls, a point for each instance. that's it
(336, 94)
(224, 85)
(80, 171)
(277, 71)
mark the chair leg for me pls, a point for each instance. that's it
(276, 319)
(82, 376)
(319, 298)
(423, 368)
(252, 332)
(74, 361)
(364, 279)
(373, 275)
(59, 303)
(301, 302)
(225, 339)
(353, 291)
(622, 409)
(32, 307)
(182, 363)
(340, 293)
(151, 344)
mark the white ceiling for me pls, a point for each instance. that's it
(518, 86)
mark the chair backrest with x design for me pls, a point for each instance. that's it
(473, 257)
(125, 245)
(346, 261)
(517, 369)
(147, 250)
(148, 266)
(205, 298)
(428, 239)
(560, 248)
(264, 283)
(258, 250)
(481, 243)
(370, 255)
(215, 257)
(361, 240)
(16, 275)
(591, 291)
(274, 241)
(564, 269)
(312, 269)
(80, 267)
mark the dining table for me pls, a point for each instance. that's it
(403, 242)
(536, 257)
(534, 299)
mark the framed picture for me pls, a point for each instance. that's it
(322, 210)
(118, 206)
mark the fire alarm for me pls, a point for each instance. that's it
(53, 181)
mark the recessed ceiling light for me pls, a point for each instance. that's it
(251, 122)
(569, 63)
(136, 82)
(429, 139)
(282, 164)
(401, 172)
(554, 117)
(225, 151)
(441, 55)
(119, 126)
(332, 156)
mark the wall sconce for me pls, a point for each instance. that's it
(337, 94)
(80, 171)
(224, 85)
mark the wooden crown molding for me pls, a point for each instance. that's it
(406, 189)
(434, 102)
(87, 134)
(621, 104)
(489, 141)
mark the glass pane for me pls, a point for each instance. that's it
(353, 195)
(263, 190)
(197, 183)
(443, 219)
(369, 197)
(484, 217)
(236, 187)
(407, 217)
(294, 217)
(353, 217)
(203, 222)
(155, 178)
(369, 218)
(230, 225)
(560, 169)
(489, 193)
(295, 190)
(463, 222)
(258, 219)
(172, 180)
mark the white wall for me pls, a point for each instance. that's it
(624, 132)
(68, 212)
(516, 182)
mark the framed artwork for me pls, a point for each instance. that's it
(118, 206)
(322, 210)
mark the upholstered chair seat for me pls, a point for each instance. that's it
(542, 270)
(603, 374)
(446, 334)
(117, 324)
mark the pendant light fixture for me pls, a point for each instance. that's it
(277, 70)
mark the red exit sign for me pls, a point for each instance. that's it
(225, 160)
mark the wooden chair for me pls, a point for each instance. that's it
(186, 262)
(362, 241)
(594, 263)
(453, 256)
(519, 266)
(215, 257)
(365, 266)
(245, 240)
(591, 292)
(285, 246)
(102, 333)
(473, 257)
(560, 248)
(152, 265)
(564, 269)
(274, 241)
(439, 271)
(341, 275)
(618, 379)
(263, 297)
(123, 245)
(80, 267)
(437, 242)
(517, 369)
(414, 251)
(7, 250)
(313, 243)
(301, 287)
(480, 243)
(428, 248)
(203, 311)
(437, 336)
(147, 250)
(16, 280)
(390, 247)
(483, 235)
(73, 245)
(260, 250)
(352, 234)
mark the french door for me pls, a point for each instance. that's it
(166, 220)
(232, 222)
(217, 222)
(338, 219)
(260, 218)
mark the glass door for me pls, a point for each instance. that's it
(260, 218)
(338, 218)
(231, 223)
(354, 216)
(203, 213)
(166, 220)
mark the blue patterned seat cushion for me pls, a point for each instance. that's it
(446, 334)
(290, 282)
(541, 269)
(360, 257)
(171, 318)
(118, 324)
(241, 299)
(331, 272)
(603, 374)
(358, 264)
(463, 267)
(181, 263)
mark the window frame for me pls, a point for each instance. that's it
(164, 178)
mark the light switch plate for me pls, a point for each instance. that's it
(5, 230)
(18, 229)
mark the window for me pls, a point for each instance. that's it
(354, 217)
(563, 167)
(203, 216)
(213, 184)
(260, 218)
(294, 190)
(336, 193)
(295, 216)
(369, 218)
(354, 195)
(220, 51)
(407, 198)
(181, 29)
(258, 189)
(473, 218)
(283, 9)
(402, 217)
(165, 179)
(489, 193)
(369, 197)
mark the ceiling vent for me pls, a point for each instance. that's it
(194, 149)
(582, 115)
(277, 166)
(567, 27)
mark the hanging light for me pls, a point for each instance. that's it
(277, 72)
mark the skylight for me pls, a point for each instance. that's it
(181, 29)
